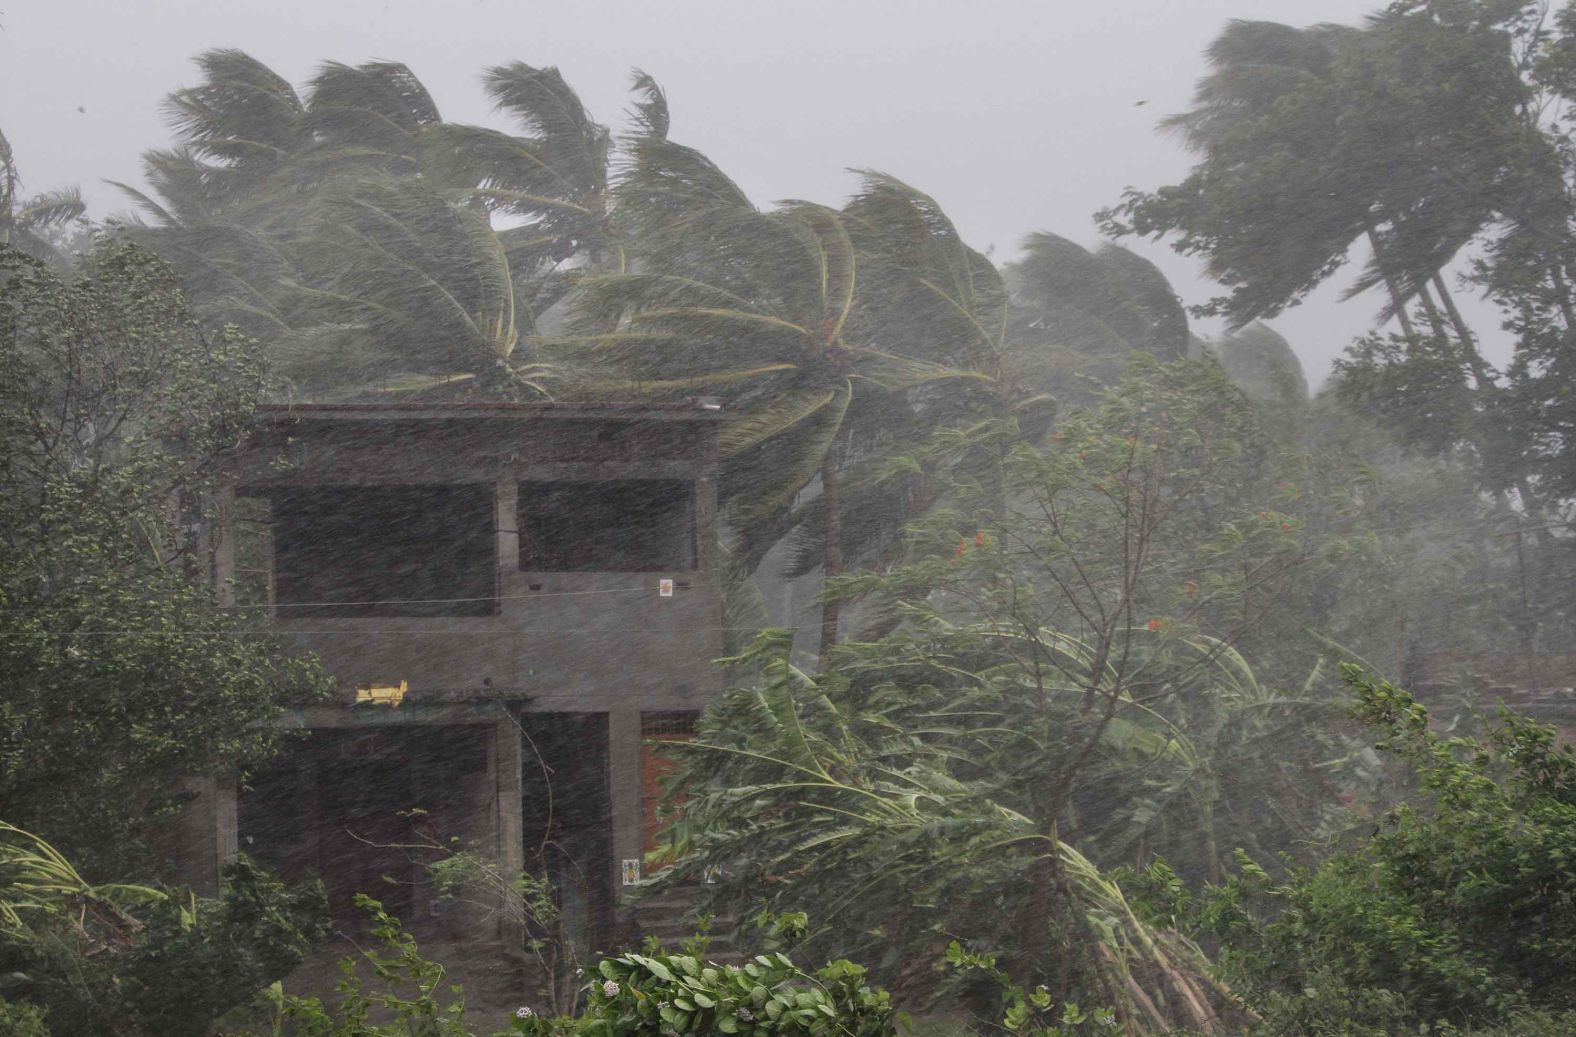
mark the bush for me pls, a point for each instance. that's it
(1458, 911)
(674, 994)
(635, 994)
(18, 1020)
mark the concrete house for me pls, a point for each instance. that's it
(514, 599)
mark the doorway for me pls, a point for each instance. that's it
(365, 809)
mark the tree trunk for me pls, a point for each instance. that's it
(1389, 283)
(832, 545)
(1480, 372)
(1558, 279)
(1062, 951)
(1435, 321)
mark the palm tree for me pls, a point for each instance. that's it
(764, 307)
(925, 293)
(1080, 314)
(26, 223)
(353, 230)
(1412, 133)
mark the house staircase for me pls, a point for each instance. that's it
(670, 917)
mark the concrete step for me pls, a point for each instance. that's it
(669, 916)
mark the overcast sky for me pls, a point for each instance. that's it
(1017, 115)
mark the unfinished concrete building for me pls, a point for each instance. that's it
(514, 600)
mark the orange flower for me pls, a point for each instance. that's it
(979, 539)
(960, 549)
(1155, 624)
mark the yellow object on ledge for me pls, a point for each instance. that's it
(382, 694)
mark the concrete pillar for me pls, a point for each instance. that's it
(206, 832)
(507, 520)
(221, 542)
(508, 827)
(706, 512)
(623, 766)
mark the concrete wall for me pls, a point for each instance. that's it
(601, 642)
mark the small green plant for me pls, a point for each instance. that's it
(410, 992)
(1034, 1013)
(21, 1020)
(674, 994)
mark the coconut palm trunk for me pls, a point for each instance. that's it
(832, 546)
(1389, 283)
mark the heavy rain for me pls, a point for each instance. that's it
(864, 519)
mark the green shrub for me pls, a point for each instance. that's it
(770, 996)
(1457, 911)
(19, 1020)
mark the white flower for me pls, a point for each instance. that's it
(609, 989)
(524, 1012)
(746, 1016)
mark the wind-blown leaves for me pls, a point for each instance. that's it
(873, 802)
(421, 272)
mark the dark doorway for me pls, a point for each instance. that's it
(567, 814)
(364, 809)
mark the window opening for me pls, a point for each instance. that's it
(425, 550)
(625, 525)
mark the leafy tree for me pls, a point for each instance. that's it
(1263, 364)
(1064, 627)
(1442, 133)
(1456, 908)
(119, 677)
(1412, 133)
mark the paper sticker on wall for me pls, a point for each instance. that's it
(632, 871)
(665, 588)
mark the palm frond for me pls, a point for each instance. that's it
(242, 112)
(51, 209)
(651, 106)
(546, 107)
(377, 104)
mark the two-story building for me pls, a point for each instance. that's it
(513, 599)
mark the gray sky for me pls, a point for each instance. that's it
(1016, 115)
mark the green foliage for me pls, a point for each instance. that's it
(1438, 136)
(530, 904)
(632, 994)
(193, 963)
(408, 997)
(35, 225)
(1455, 911)
(1088, 312)
(132, 961)
(117, 675)
(1035, 1013)
(1059, 689)
(21, 1020)
(358, 244)
(679, 994)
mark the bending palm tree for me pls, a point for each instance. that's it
(758, 306)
